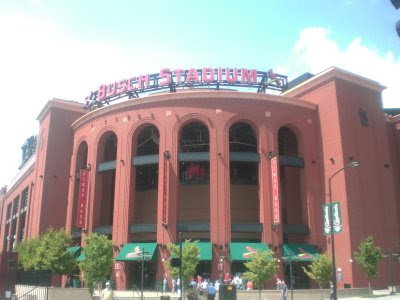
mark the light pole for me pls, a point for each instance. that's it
(180, 288)
(391, 256)
(143, 253)
(354, 164)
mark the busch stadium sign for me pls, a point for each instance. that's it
(170, 80)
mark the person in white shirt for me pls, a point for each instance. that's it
(107, 293)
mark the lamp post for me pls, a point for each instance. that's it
(391, 256)
(354, 164)
(180, 288)
(143, 253)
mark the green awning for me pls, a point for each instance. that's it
(299, 252)
(81, 257)
(205, 251)
(75, 251)
(130, 250)
(243, 251)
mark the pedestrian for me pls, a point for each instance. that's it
(211, 292)
(173, 290)
(227, 279)
(217, 283)
(284, 289)
(278, 283)
(107, 293)
(250, 285)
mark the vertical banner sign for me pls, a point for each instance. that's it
(337, 218)
(275, 189)
(164, 199)
(83, 189)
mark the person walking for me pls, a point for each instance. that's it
(284, 289)
(211, 292)
(107, 293)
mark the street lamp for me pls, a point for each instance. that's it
(391, 256)
(354, 164)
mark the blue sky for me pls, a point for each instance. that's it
(64, 49)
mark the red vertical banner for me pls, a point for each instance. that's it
(275, 189)
(82, 201)
(165, 187)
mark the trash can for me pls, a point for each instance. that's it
(227, 292)
(75, 283)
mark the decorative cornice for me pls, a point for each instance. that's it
(61, 104)
(331, 74)
(192, 95)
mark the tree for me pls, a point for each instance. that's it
(52, 252)
(98, 260)
(47, 252)
(368, 259)
(320, 270)
(261, 267)
(27, 254)
(190, 257)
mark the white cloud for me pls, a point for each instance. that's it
(315, 51)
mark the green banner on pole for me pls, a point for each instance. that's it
(337, 218)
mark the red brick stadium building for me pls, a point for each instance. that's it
(200, 161)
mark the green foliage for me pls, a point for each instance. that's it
(98, 260)
(368, 257)
(261, 267)
(190, 255)
(47, 252)
(27, 254)
(320, 270)
(52, 253)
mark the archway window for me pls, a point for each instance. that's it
(244, 191)
(194, 179)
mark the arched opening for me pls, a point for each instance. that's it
(146, 180)
(244, 189)
(294, 218)
(194, 186)
(105, 184)
(80, 163)
(143, 204)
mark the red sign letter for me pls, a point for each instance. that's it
(205, 72)
(192, 75)
(249, 77)
(101, 94)
(122, 86)
(164, 73)
(234, 77)
(143, 81)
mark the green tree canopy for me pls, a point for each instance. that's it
(190, 255)
(320, 270)
(261, 267)
(368, 258)
(52, 253)
(27, 254)
(98, 260)
(47, 252)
